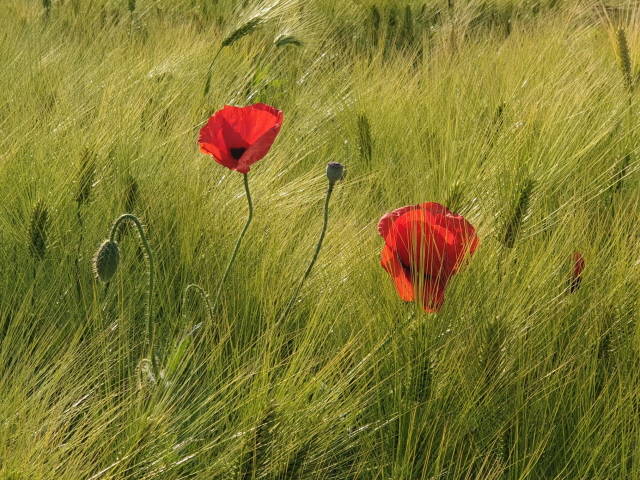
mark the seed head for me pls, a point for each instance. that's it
(132, 193)
(520, 210)
(86, 178)
(38, 230)
(335, 172)
(625, 59)
(365, 138)
(105, 261)
(243, 30)
(284, 40)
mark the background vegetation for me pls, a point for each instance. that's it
(503, 110)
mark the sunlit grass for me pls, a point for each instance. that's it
(514, 378)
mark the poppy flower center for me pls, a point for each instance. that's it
(237, 153)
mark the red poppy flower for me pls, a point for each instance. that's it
(237, 137)
(576, 271)
(425, 245)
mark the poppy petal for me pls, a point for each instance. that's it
(387, 220)
(218, 137)
(237, 137)
(432, 296)
(258, 149)
(576, 273)
(425, 245)
(402, 281)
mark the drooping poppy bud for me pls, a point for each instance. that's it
(335, 172)
(105, 261)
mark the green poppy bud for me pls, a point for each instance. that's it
(105, 261)
(335, 172)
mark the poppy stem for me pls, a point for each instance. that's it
(127, 217)
(238, 242)
(315, 254)
(203, 294)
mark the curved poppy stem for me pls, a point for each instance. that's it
(238, 242)
(315, 254)
(203, 294)
(127, 217)
(207, 85)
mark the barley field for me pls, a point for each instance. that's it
(520, 115)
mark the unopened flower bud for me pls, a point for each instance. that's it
(335, 172)
(105, 261)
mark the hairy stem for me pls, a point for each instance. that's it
(315, 254)
(238, 242)
(203, 294)
(127, 217)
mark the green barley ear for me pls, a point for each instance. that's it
(46, 4)
(86, 178)
(408, 30)
(38, 230)
(622, 167)
(422, 379)
(284, 40)
(392, 34)
(258, 448)
(245, 29)
(365, 139)
(498, 117)
(625, 59)
(491, 352)
(518, 214)
(295, 466)
(105, 261)
(242, 31)
(376, 21)
(132, 6)
(131, 194)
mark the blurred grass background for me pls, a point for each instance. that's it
(463, 103)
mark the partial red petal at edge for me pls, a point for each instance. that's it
(390, 262)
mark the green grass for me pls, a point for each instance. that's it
(460, 102)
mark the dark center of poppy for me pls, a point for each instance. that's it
(410, 270)
(237, 152)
